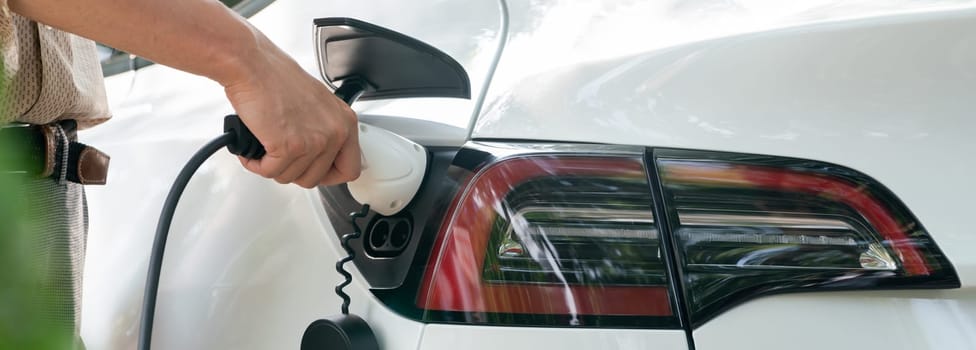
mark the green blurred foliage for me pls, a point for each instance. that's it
(22, 326)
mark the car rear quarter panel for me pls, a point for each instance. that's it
(891, 96)
(438, 337)
(249, 262)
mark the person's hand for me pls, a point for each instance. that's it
(311, 136)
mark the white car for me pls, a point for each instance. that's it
(696, 175)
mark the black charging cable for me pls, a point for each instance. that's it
(357, 232)
(238, 140)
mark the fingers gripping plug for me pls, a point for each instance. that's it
(245, 144)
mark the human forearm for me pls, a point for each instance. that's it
(310, 136)
(197, 36)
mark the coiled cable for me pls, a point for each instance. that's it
(350, 256)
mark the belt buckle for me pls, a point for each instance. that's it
(51, 135)
(54, 144)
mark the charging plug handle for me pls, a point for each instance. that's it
(392, 166)
(245, 144)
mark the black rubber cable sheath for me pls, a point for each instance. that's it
(350, 256)
(162, 231)
(240, 141)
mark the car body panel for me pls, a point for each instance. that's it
(233, 277)
(533, 338)
(250, 262)
(888, 96)
(902, 320)
(237, 272)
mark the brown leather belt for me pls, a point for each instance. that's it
(51, 150)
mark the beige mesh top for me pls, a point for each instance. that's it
(48, 75)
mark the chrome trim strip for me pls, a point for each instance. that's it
(592, 214)
(502, 150)
(593, 232)
(735, 219)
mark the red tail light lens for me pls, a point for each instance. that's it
(748, 225)
(616, 236)
(569, 238)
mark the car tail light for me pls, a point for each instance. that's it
(747, 225)
(571, 238)
(617, 236)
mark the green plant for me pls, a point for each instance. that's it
(22, 326)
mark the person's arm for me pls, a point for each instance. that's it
(310, 135)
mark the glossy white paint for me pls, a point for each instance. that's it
(424, 132)
(895, 320)
(437, 337)
(249, 262)
(888, 96)
(884, 88)
(234, 275)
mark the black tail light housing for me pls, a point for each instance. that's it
(631, 237)
(749, 225)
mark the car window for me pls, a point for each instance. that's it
(116, 61)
